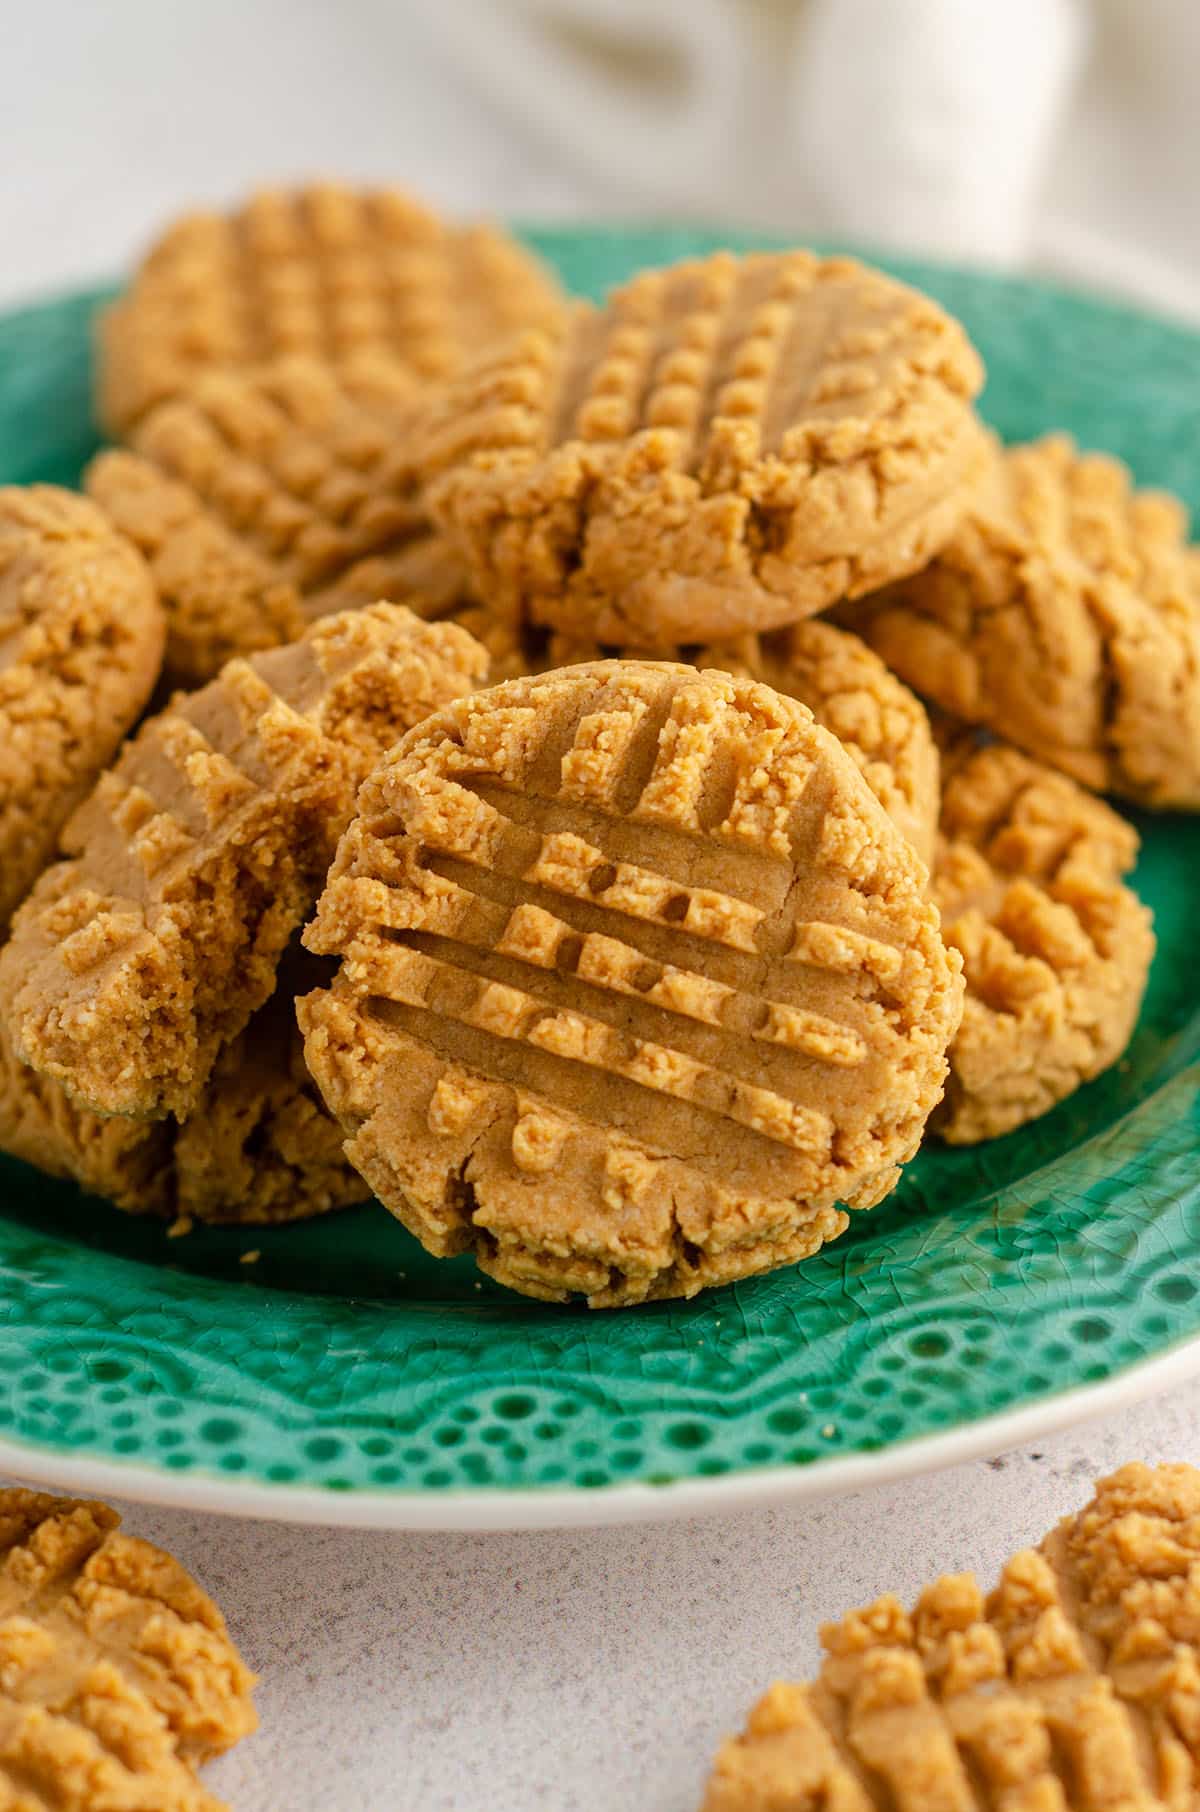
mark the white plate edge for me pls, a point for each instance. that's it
(537, 1507)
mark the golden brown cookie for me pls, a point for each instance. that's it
(258, 1147)
(117, 1674)
(263, 500)
(366, 280)
(1056, 949)
(1064, 614)
(881, 725)
(729, 445)
(81, 642)
(1072, 1687)
(638, 984)
(136, 959)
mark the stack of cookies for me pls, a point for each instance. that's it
(634, 770)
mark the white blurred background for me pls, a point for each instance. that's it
(1059, 135)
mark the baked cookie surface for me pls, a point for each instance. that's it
(264, 499)
(258, 1146)
(728, 445)
(1064, 614)
(81, 642)
(117, 1674)
(144, 952)
(368, 281)
(638, 984)
(1056, 948)
(1069, 1687)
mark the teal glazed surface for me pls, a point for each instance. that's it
(346, 1358)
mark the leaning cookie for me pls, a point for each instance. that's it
(1056, 948)
(639, 985)
(259, 1146)
(728, 445)
(1069, 1688)
(264, 499)
(82, 637)
(367, 281)
(117, 1674)
(1063, 614)
(138, 958)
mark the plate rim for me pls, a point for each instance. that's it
(499, 1510)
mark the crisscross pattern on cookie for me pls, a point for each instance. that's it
(264, 498)
(1056, 948)
(1073, 1685)
(81, 639)
(369, 282)
(730, 444)
(654, 969)
(199, 853)
(1064, 613)
(116, 1671)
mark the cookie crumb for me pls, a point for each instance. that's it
(250, 1258)
(180, 1227)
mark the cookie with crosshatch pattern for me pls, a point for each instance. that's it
(368, 281)
(117, 1673)
(81, 641)
(729, 444)
(639, 987)
(145, 951)
(1073, 1686)
(1056, 947)
(265, 499)
(1063, 615)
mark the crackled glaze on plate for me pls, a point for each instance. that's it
(347, 1375)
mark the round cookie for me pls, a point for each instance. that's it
(639, 984)
(729, 445)
(263, 499)
(144, 952)
(1064, 1688)
(117, 1674)
(258, 1146)
(366, 280)
(1063, 614)
(1056, 949)
(81, 642)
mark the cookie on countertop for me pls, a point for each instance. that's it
(1056, 948)
(1063, 614)
(81, 643)
(259, 1146)
(264, 499)
(639, 985)
(728, 445)
(117, 1673)
(368, 281)
(145, 951)
(1071, 1687)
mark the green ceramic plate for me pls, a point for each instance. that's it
(347, 1377)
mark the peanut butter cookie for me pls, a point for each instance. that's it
(117, 1674)
(136, 959)
(81, 642)
(1064, 614)
(368, 281)
(258, 1147)
(1069, 1688)
(638, 987)
(878, 721)
(729, 445)
(1056, 949)
(265, 499)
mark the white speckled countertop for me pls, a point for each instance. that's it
(593, 1671)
